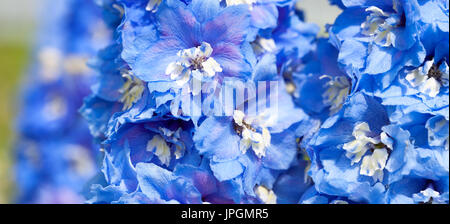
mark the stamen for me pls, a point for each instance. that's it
(262, 45)
(266, 195)
(159, 146)
(438, 132)
(153, 5)
(337, 92)
(374, 164)
(119, 8)
(174, 137)
(434, 73)
(131, 91)
(379, 25)
(290, 87)
(258, 140)
(196, 62)
(429, 78)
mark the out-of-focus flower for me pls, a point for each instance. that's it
(55, 156)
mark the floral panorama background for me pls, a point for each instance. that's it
(93, 109)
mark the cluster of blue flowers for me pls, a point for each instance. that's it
(55, 155)
(240, 101)
(388, 141)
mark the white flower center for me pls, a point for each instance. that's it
(55, 108)
(76, 65)
(266, 195)
(429, 78)
(262, 45)
(159, 146)
(372, 165)
(50, 60)
(429, 196)
(131, 91)
(379, 25)
(196, 62)
(337, 92)
(80, 160)
(251, 137)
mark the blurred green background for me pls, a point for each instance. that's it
(12, 60)
(17, 22)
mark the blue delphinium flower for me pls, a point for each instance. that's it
(389, 142)
(320, 87)
(226, 55)
(367, 147)
(290, 40)
(424, 88)
(129, 154)
(293, 37)
(353, 151)
(162, 47)
(377, 39)
(55, 156)
(199, 41)
(255, 147)
(155, 162)
(419, 190)
(428, 163)
(147, 158)
(385, 44)
(276, 27)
